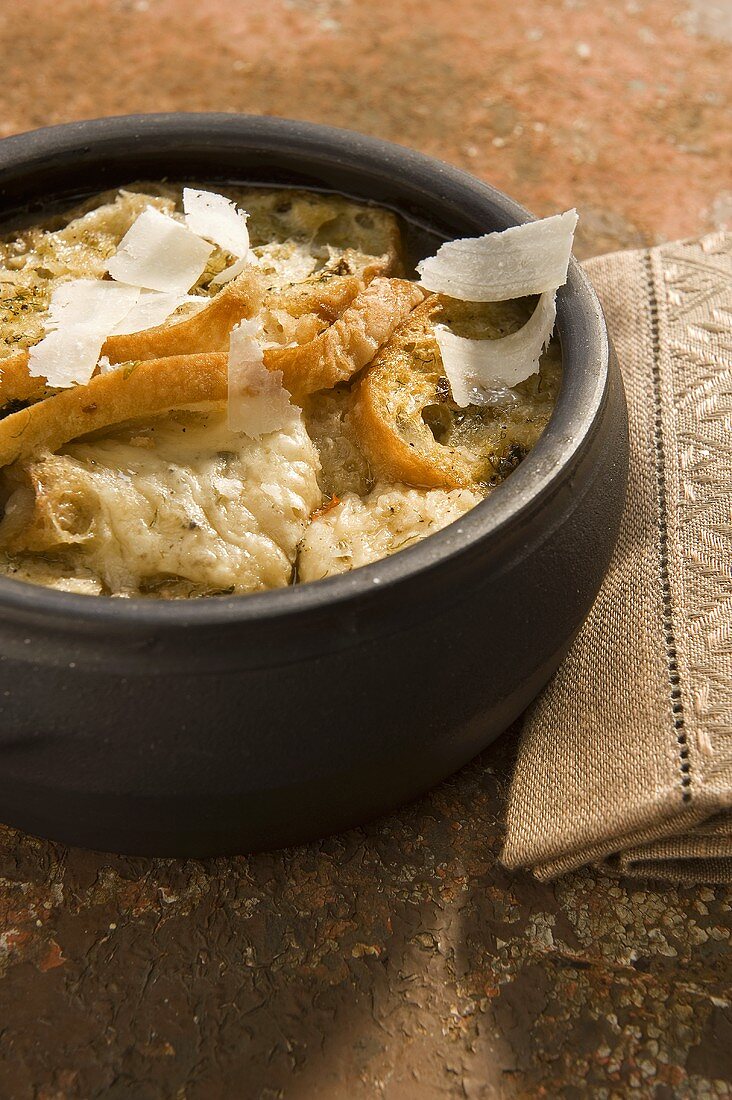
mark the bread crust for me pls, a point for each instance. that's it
(350, 342)
(149, 386)
(326, 298)
(390, 398)
(207, 330)
(133, 390)
(16, 384)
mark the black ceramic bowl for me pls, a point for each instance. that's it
(225, 725)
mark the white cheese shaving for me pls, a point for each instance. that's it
(67, 356)
(479, 371)
(81, 315)
(158, 253)
(232, 271)
(526, 259)
(153, 308)
(217, 219)
(96, 302)
(258, 403)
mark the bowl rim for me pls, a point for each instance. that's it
(580, 323)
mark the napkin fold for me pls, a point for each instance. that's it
(626, 757)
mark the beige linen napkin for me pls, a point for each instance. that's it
(626, 758)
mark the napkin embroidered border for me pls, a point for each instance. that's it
(669, 637)
(695, 279)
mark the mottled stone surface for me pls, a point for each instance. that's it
(395, 961)
(400, 960)
(620, 108)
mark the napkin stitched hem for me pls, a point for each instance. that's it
(626, 756)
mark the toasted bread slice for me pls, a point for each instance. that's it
(347, 345)
(324, 296)
(150, 386)
(313, 304)
(315, 253)
(133, 390)
(207, 330)
(410, 428)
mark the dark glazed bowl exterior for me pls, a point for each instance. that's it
(226, 725)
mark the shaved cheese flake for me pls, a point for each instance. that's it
(232, 271)
(258, 402)
(67, 356)
(153, 308)
(217, 219)
(480, 371)
(526, 259)
(95, 302)
(158, 253)
(81, 315)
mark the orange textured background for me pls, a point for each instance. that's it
(620, 108)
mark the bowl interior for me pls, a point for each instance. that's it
(52, 168)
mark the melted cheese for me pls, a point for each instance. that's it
(181, 501)
(358, 531)
(183, 505)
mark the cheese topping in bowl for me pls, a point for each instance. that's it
(218, 392)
